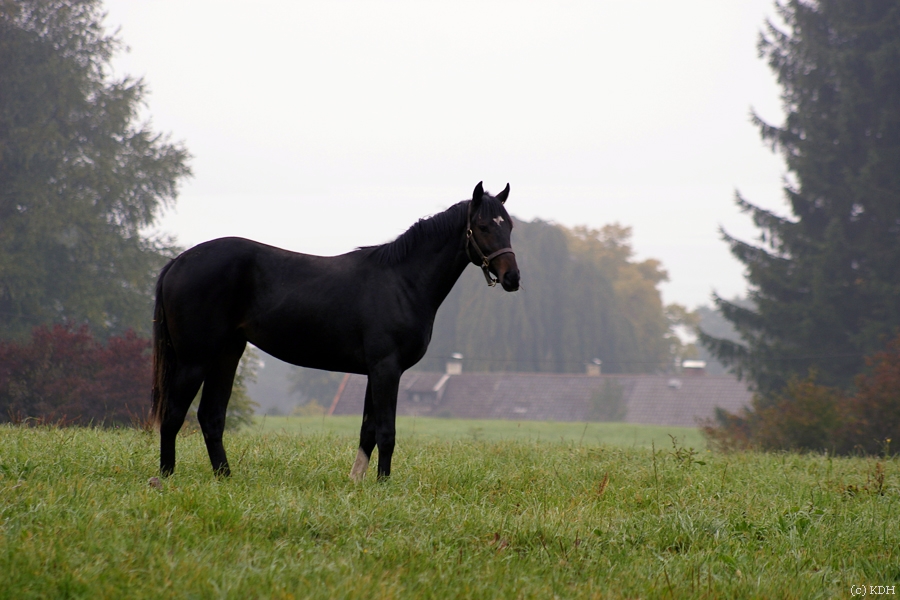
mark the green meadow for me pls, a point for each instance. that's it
(473, 510)
(409, 428)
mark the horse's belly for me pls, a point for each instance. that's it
(332, 350)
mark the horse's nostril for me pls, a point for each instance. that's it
(511, 278)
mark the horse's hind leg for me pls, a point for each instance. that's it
(366, 439)
(185, 383)
(214, 403)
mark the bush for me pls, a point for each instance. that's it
(804, 416)
(875, 410)
(64, 375)
(807, 416)
(310, 409)
(728, 432)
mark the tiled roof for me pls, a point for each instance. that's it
(649, 399)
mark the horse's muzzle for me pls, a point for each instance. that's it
(510, 280)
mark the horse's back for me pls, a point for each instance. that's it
(214, 272)
(293, 306)
(231, 265)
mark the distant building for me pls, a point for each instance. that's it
(693, 368)
(648, 399)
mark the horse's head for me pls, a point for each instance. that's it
(487, 238)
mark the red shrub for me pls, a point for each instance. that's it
(808, 416)
(65, 376)
(875, 410)
(804, 416)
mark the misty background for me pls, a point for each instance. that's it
(323, 127)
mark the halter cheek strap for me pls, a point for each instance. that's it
(485, 260)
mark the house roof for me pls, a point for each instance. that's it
(648, 399)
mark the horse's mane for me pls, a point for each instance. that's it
(442, 225)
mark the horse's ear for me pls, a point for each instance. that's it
(477, 195)
(502, 196)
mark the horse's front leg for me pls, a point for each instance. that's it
(366, 438)
(381, 394)
(385, 396)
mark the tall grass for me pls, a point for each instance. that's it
(461, 518)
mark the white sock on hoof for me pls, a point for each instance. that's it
(359, 466)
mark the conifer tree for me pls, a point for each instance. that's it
(825, 282)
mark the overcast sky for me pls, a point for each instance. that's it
(323, 126)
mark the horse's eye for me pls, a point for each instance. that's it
(483, 228)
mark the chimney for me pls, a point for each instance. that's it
(593, 368)
(454, 365)
(693, 368)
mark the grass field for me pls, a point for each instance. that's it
(615, 434)
(471, 517)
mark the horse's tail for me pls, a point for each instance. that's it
(163, 355)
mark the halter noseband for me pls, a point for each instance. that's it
(485, 260)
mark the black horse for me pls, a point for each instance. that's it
(369, 311)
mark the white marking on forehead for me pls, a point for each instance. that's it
(498, 220)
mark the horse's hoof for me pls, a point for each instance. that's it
(359, 466)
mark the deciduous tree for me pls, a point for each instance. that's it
(80, 178)
(583, 297)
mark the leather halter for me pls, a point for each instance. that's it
(485, 260)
